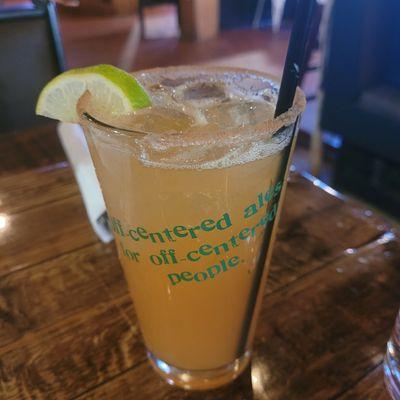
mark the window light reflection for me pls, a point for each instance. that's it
(3, 222)
(259, 379)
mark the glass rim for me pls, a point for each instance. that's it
(267, 127)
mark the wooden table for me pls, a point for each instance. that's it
(68, 329)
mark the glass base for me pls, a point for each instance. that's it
(391, 368)
(200, 379)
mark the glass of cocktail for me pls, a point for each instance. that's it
(194, 187)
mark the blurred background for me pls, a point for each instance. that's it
(350, 132)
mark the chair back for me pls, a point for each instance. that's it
(31, 54)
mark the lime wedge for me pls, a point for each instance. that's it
(113, 89)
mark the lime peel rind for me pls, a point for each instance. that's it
(59, 97)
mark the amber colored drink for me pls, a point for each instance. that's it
(192, 186)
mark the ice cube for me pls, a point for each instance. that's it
(170, 82)
(238, 113)
(162, 120)
(204, 90)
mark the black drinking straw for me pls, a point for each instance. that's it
(295, 57)
(294, 65)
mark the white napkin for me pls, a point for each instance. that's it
(74, 143)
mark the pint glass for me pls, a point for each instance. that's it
(194, 187)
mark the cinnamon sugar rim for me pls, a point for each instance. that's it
(262, 130)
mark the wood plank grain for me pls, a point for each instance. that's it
(333, 324)
(21, 191)
(31, 148)
(31, 238)
(316, 228)
(315, 339)
(56, 321)
(34, 299)
(288, 265)
(44, 232)
(141, 382)
(78, 353)
(371, 387)
(75, 295)
(304, 198)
